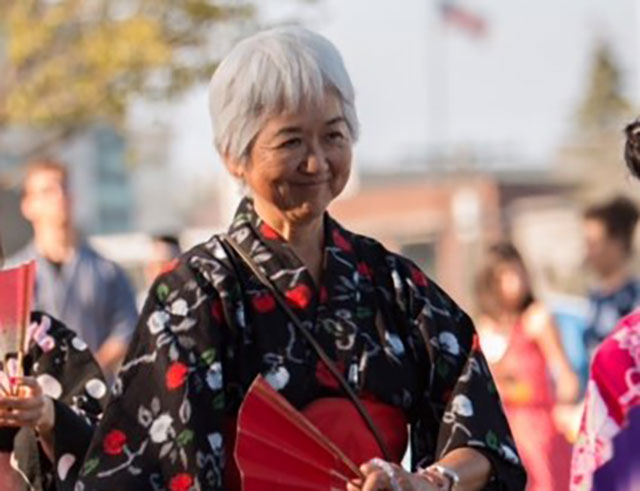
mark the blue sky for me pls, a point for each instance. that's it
(515, 90)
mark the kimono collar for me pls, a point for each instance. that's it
(279, 262)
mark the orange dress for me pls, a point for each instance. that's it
(528, 404)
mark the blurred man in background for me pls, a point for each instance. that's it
(91, 294)
(609, 229)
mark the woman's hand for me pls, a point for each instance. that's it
(30, 408)
(384, 476)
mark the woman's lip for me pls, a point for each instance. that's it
(312, 183)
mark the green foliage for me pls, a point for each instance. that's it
(66, 63)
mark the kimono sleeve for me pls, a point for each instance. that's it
(461, 406)
(67, 372)
(162, 428)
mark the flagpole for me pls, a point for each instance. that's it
(437, 80)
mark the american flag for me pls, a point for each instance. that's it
(463, 18)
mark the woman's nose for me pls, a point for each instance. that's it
(316, 161)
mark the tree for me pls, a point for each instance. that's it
(604, 104)
(68, 63)
(592, 158)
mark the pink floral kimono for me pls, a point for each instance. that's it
(614, 388)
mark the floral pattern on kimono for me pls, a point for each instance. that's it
(613, 389)
(210, 327)
(67, 372)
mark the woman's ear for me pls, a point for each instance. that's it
(234, 166)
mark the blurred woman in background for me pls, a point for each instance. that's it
(523, 348)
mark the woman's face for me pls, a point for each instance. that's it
(299, 162)
(512, 284)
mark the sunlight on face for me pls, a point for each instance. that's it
(300, 162)
(46, 199)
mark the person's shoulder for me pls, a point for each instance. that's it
(407, 276)
(384, 258)
(88, 254)
(45, 324)
(634, 285)
(206, 265)
(537, 319)
(22, 255)
(625, 336)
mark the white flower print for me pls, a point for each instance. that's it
(64, 464)
(157, 321)
(215, 440)
(462, 406)
(39, 333)
(79, 344)
(180, 307)
(214, 376)
(449, 343)
(278, 377)
(397, 281)
(96, 388)
(218, 251)
(50, 386)
(160, 427)
(395, 342)
(509, 454)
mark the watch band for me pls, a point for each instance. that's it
(441, 473)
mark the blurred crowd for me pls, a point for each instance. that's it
(563, 419)
(519, 335)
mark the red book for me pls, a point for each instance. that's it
(16, 293)
(277, 448)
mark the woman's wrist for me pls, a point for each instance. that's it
(440, 476)
(47, 420)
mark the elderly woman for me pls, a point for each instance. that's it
(47, 420)
(283, 112)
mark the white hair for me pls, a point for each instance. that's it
(272, 72)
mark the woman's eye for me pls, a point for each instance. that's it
(335, 136)
(291, 143)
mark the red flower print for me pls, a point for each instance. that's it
(181, 482)
(324, 294)
(341, 242)
(114, 442)
(364, 269)
(325, 377)
(263, 302)
(176, 375)
(475, 345)
(268, 232)
(419, 277)
(216, 311)
(169, 266)
(299, 297)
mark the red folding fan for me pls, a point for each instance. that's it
(16, 292)
(277, 448)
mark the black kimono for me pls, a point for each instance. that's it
(209, 327)
(67, 372)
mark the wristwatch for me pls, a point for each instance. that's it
(445, 478)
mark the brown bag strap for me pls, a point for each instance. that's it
(312, 340)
